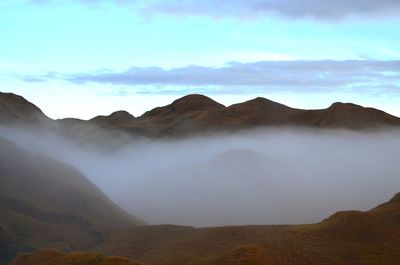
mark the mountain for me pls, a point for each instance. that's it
(189, 114)
(46, 203)
(15, 110)
(196, 114)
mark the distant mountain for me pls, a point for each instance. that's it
(46, 203)
(196, 114)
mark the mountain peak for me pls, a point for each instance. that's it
(342, 105)
(260, 112)
(195, 102)
(266, 103)
(16, 109)
(121, 114)
(258, 103)
(116, 117)
(189, 103)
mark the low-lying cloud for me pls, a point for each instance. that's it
(261, 177)
(361, 76)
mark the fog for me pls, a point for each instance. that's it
(275, 176)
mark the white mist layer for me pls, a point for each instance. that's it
(262, 177)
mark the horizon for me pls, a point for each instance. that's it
(100, 56)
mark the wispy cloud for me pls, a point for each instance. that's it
(288, 8)
(266, 76)
(317, 9)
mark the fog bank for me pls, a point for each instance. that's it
(276, 176)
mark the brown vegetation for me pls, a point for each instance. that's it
(52, 257)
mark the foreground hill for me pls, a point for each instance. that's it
(194, 114)
(46, 203)
(350, 237)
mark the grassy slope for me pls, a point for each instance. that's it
(351, 237)
(46, 203)
(52, 257)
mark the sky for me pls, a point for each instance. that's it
(82, 58)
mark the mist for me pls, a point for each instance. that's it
(268, 176)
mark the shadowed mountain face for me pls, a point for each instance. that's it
(196, 114)
(46, 203)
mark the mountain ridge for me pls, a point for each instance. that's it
(196, 114)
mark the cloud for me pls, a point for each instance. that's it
(288, 8)
(265, 76)
(322, 10)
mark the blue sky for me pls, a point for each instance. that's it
(82, 58)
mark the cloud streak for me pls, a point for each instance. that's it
(287, 8)
(250, 9)
(266, 76)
